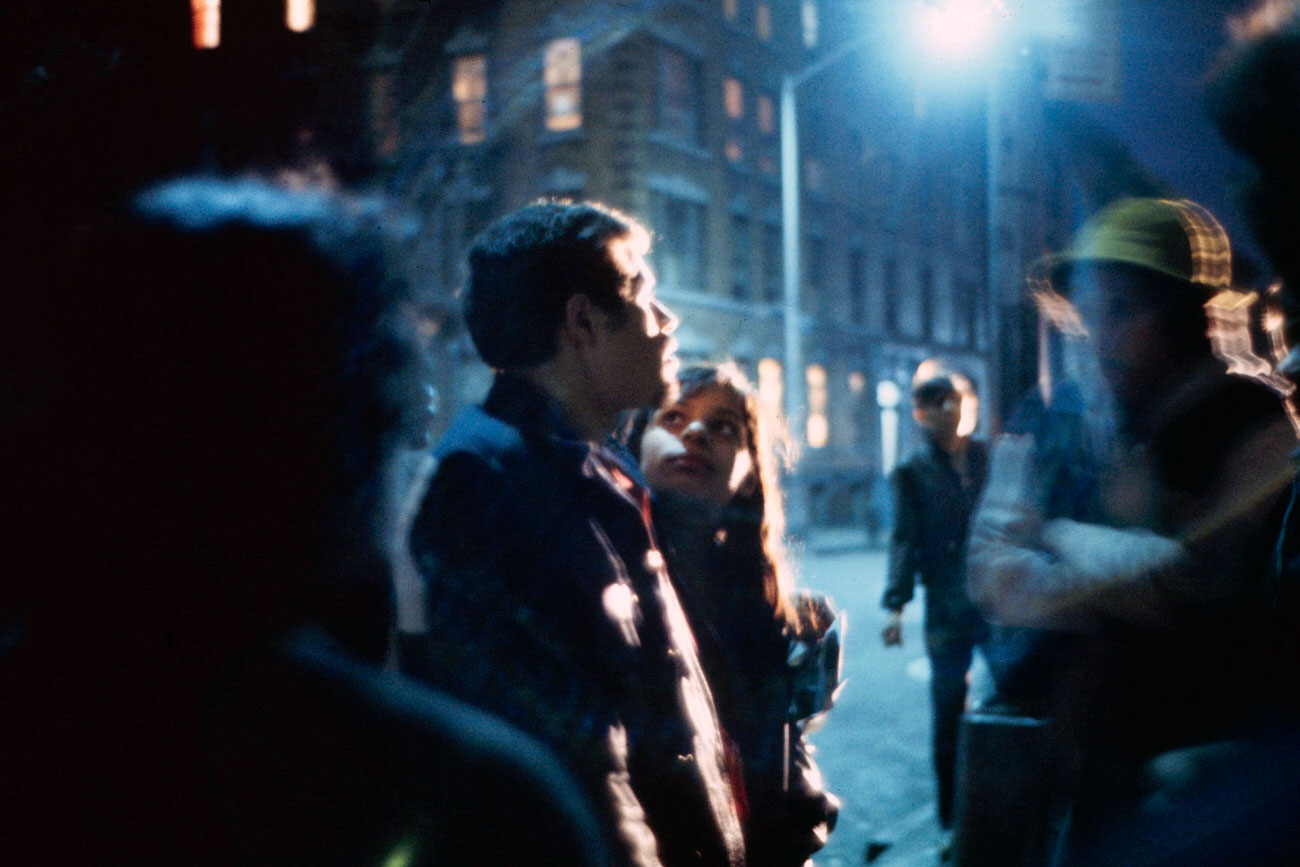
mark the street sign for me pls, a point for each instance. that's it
(1082, 52)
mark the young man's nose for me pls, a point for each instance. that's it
(666, 319)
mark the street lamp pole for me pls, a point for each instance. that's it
(796, 397)
(795, 387)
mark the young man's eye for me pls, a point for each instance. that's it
(669, 417)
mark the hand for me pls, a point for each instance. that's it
(892, 634)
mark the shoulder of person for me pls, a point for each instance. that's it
(475, 431)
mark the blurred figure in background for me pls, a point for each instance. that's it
(1158, 572)
(934, 494)
(548, 599)
(770, 656)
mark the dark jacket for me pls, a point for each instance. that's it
(549, 605)
(745, 652)
(932, 510)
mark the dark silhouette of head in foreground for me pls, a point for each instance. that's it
(209, 381)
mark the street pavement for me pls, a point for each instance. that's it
(874, 747)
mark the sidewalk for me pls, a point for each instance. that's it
(875, 747)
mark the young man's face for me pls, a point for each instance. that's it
(636, 362)
(939, 416)
(1135, 349)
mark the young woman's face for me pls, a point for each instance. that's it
(699, 446)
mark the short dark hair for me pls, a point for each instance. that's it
(524, 268)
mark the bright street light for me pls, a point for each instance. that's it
(957, 30)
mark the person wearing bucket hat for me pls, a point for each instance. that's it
(1140, 272)
(1155, 568)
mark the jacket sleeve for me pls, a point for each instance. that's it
(1060, 574)
(904, 541)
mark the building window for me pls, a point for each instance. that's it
(740, 257)
(469, 86)
(773, 285)
(733, 98)
(857, 289)
(927, 304)
(299, 15)
(814, 175)
(205, 16)
(733, 103)
(730, 9)
(969, 312)
(679, 252)
(563, 77)
(811, 22)
(763, 21)
(891, 297)
(679, 95)
(816, 272)
(766, 115)
(818, 429)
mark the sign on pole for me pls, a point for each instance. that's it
(1082, 53)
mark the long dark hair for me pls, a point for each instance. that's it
(753, 524)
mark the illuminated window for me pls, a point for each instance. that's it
(857, 382)
(299, 15)
(818, 430)
(730, 9)
(734, 98)
(563, 84)
(763, 21)
(766, 114)
(811, 23)
(735, 153)
(469, 86)
(206, 22)
(678, 95)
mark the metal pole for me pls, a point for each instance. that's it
(795, 384)
(993, 192)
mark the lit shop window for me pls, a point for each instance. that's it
(763, 21)
(299, 15)
(206, 21)
(563, 84)
(733, 98)
(818, 430)
(469, 90)
(811, 23)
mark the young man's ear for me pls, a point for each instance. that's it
(579, 321)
